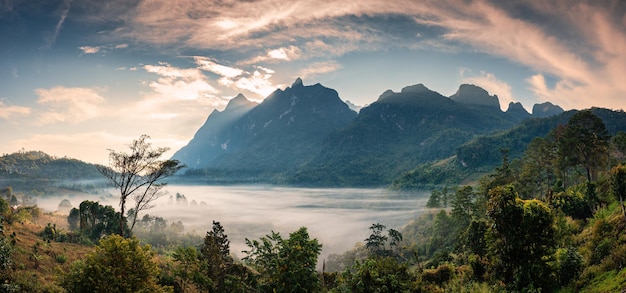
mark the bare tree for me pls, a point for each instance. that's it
(139, 175)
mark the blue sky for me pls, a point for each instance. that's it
(80, 77)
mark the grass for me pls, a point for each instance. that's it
(38, 263)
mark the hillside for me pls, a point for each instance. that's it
(277, 136)
(35, 170)
(482, 153)
(208, 142)
(398, 132)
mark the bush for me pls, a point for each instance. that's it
(442, 274)
(117, 265)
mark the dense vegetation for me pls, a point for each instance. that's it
(483, 153)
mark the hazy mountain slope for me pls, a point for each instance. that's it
(36, 164)
(284, 131)
(35, 170)
(484, 151)
(396, 133)
(209, 141)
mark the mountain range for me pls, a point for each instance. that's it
(306, 135)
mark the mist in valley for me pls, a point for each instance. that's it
(337, 217)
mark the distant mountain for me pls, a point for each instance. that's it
(37, 164)
(474, 95)
(208, 142)
(517, 110)
(483, 153)
(400, 131)
(546, 109)
(307, 135)
(281, 133)
(353, 107)
(26, 171)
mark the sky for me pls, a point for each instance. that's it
(78, 78)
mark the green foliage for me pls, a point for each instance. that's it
(95, 220)
(381, 245)
(37, 164)
(537, 176)
(117, 265)
(445, 172)
(187, 268)
(572, 202)
(584, 143)
(375, 274)
(219, 271)
(618, 147)
(285, 265)
(618, 185)
(521, 236)
(442, 274)
(568, 264)
(6, 262)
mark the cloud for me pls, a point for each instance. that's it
(579, 43)
(315, 69)
(583, 57)
(276, 55)
(7, 112)
(257, 82)
(65, 9)
(89, 49)
(73, 105)
(207, 64)
(493, 85)
(175, 91)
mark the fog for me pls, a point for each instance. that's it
(338, 218)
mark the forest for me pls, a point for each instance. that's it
(551, 220)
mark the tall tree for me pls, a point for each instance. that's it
(618, 185)
(521, 235)
(285, 265)
(138, 175)
(216, 258)
(584, 143)
(537, 174)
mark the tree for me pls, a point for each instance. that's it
(138, 175)
(376, 274)
(376, 243)
(618, 147)
(285, 265)
(218, 265)
(117, 265)
(537, 174)
(463, 205)
(584, 143)
(618, 185)
(187, 269)
(95, 220)
(521, 236)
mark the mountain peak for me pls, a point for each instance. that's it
(546, 109)
(238, 101)
(297, 83)
(472, 94)
(418, 88)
